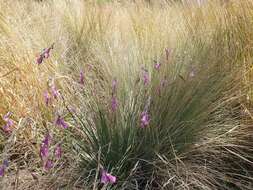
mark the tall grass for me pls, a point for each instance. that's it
(198, 136)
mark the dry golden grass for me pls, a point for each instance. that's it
(115, 40)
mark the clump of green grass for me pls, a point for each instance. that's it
(197, 135)
(187, 107)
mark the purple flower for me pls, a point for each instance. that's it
(47, 51)
(55, 92)
(44, 151)
(107, 178)
(114, 104)
(145, 119)
(61, 123)
(3, 167)
(44, 148)
(47, 98)
(48, 165)
(45, 54)
(39, 59)
(9, 122)
(145, 78)
(7, 126)
(157, 65)
(6, 117)
(81, 79)
(47, 139)
(58, 151)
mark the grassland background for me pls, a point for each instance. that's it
(200, 135)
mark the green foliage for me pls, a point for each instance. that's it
(180, 115)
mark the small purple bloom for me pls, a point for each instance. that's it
(145, 119)
(47, 98)
(44, 151)
(44, 148)
(58, 151)
(157, 65)
(114, 104)
(2, 169)
(145, 78)
(9, 122)
(47, 139)
(48, 165)
(7, 126)
(107, 178)
(81, 79)
(55, 92)
(39, 59)
(45, 54)
(6, 117)
(61, 123)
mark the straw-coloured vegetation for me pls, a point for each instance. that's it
(126, 95)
